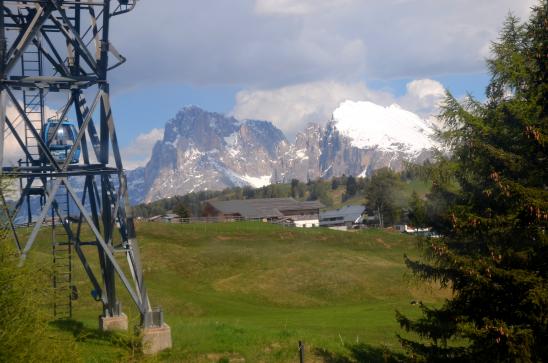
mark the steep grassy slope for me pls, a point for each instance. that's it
(253, 290)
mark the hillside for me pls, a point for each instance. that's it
(252, 290)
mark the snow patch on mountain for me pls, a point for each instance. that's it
(257, 182)
(391, 128)
(192, 153)
(301, 154)
(232, 139)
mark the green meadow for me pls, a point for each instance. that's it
(250, 291)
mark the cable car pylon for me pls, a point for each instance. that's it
(70, 169)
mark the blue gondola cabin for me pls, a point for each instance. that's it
(59, 139)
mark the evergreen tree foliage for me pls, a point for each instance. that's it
(319, 191)
(351, 187)
(193, 202)
(489, 202)
(417, 211)
(334, 183)
(380, 192)
(181, 210)
(295, 188)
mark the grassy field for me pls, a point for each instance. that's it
(251, 291)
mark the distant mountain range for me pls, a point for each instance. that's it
(204, 150)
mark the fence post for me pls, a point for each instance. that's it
(301, 352)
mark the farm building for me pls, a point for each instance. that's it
(289, 210)
(348, 216)
(166, 218)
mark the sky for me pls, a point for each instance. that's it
(294, 61)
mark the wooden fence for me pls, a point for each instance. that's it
(219, 219)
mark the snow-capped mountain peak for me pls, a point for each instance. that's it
(369, 125)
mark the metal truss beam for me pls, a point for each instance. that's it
(107, 249)
(25, 37)
(35, 134)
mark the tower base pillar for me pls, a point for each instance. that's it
(156, 339)
(113, 323)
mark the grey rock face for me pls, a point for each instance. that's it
(207, 151)
(339, 156)
(300, 159)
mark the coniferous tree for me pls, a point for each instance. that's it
(319, 191)
(335, 183)
(181, 210)
(489, 202)
(295, 188)
(351, 187)
(380, 192)
(417, 211)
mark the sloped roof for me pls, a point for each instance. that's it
(262, 208)
(312, 204)
(350, 213)
(170, 216)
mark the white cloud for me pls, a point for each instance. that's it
(228, 43)
(423, 96)
(138, 152)
(275, 43)
(296, 7)
(291, 107)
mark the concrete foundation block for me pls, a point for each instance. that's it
(113, 323)
(156, 339)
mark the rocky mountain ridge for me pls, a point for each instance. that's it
(203, 150)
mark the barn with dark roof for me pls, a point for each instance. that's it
(301, 214)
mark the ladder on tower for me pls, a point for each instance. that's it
(33, 101)
(64, 291)
(61, 244)
(33, 106)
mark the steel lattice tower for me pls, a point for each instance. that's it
(60, 50)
